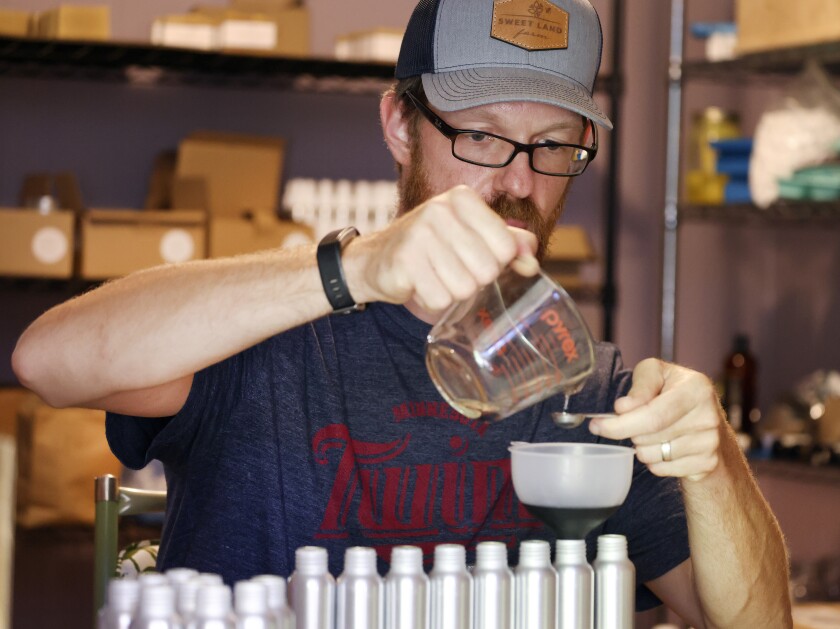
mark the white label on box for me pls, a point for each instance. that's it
(200, 36)
(251, 34)
(49, 245)
(176, 245)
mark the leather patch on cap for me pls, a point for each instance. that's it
(530, 24)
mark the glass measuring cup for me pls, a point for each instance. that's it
(516, 342)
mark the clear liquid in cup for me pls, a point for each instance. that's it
(513, 344)
(467, 394)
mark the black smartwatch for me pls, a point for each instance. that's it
(332, 273)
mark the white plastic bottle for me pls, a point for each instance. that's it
(122, 598)
(359, 602)
(213, 608)
(493, 587)
(277, 601)
(156, 609)
(312, 589)
(450, 587)
(575, 585)
(615, 584)
(250, 606)
(406, 590)
(536, 586)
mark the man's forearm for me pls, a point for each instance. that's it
(165, 323)
(737, 549)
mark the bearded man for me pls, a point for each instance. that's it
(283, 421)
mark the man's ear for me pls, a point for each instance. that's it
(395, 129)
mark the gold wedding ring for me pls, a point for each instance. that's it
(665, 448)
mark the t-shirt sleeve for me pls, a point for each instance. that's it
(136, 441)
(652, 517)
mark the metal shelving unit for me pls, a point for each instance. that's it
(783, 212)
(120, 61)
(781, 63)
(777, 64)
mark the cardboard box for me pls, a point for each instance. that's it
(263, 6)
(91, 22)
(159, 193)
(10, 400)
(251, 33)
(828, 426)
(291, 24)
(51, 191)
(768, 24)
(241, 172)
(117, 242)
(186, 31)
(568, 250)
(36, 245)
(816, 615)
(60, 451)
(377, 44)
(293, 32)
(14, 23)
(230, 235)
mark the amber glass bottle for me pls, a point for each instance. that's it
(739, 388)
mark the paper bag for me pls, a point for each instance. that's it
(60, 452)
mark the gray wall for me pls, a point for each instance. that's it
(775, 283)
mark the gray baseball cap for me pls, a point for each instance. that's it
(477, 52)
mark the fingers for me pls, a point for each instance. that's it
(673, 418)
(526, 245)
(692, 455)
(525, 265)
(656, 420)
(444, 251)
(648, 380)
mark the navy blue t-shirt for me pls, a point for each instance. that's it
(332, 434)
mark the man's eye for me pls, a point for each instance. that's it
(551, 145)
(478, 138)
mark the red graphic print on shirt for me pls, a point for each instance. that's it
(378, 495)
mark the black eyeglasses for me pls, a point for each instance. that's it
(556, 159)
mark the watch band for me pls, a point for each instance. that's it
(332, 272)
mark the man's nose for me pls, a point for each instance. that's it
(517, 178)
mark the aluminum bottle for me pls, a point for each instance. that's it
(250, 605)
(187, 593)
(575, 585)
(615, 584)
(359, 591)
(312, 589)
(406, 590)
(278, 604)
(151, 578)
(213, 607)
(536, 586)
(123, 595)
(177, 576)
(156, 609)
(450, 589)
(493, 587)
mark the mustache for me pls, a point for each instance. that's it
(524, 210)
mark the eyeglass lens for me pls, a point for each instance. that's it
(489, 150)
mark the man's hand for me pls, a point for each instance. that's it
(669, 413)
(441, 252)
